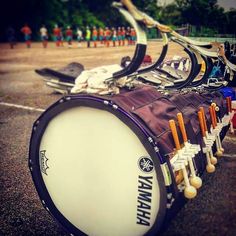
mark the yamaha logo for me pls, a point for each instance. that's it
(146, 164)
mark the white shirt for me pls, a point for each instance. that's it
(43, 31)
(79, 33)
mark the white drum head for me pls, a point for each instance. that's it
(98, 173)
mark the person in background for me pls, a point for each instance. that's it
(94, 36)
(44, 35)
(107, 33)
(57, 35)
(69, 36)
(123, 33)
(114, 36)
(11, 38)
(128, 36)
(133, 36)
(119, 35)
(79, 36)
(88, 36)
(27, 35)
(61, 38)
(101, 35)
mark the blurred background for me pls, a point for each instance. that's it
(196, 18)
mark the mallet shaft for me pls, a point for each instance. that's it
(174, 134)
(182, 127)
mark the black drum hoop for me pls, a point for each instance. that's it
(66, 103)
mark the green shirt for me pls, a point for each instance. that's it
(88, 34)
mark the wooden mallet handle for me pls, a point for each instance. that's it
(204, 119)
(228, 99)
(230, 105)
(174, 134)
(212, 116)
(200, 118)
(182, 126)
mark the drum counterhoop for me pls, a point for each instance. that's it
(96, 169)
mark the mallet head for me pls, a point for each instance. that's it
(210, 168)
(196, 182)
(190, 192)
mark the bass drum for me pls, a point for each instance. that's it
(96, 169)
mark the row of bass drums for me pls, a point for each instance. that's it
(106, 165)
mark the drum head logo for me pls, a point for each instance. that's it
(43, 162)
(146, 164)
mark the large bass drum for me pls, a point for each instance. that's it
(97, 169)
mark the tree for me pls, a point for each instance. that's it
(202, 13)
(171, 15)
(81, 13)
(231, 22)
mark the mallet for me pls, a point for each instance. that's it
(209, 138)
(218, 128)
(189, 191)
(194, 180)
(229, 108)
(210, 168)
(213, 123)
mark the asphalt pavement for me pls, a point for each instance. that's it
(212, 212)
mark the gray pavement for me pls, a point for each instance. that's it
(212, 212)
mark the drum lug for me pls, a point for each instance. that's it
(68, 98)
(115, 106)
(169, 196)
(35, 125)
(156, 149)
(169, 205)
(150, 139)
(47, 209)
(61, 100)
(106, 102)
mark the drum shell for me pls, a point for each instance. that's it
(144, 107)
(98, 103)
